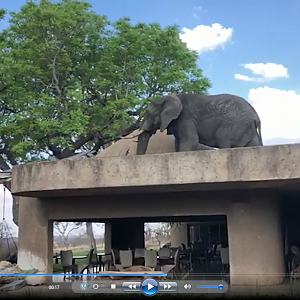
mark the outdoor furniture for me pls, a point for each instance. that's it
(164, 253)
(67, 263)
(139, 256)
(185, 259)
(126, 258)
(224, 253)
(172, 268)
(164, 256)
(294, 262)
(151, 259)
(106, 260)
(115, 259)
(94, 261)
(199, 253)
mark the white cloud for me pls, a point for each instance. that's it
(204, 38)
(244, 77)
(267, 72)
(278, 111)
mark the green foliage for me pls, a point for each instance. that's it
(70, 78)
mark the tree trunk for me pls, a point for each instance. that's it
(90, 234)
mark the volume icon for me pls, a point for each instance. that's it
(187, 286)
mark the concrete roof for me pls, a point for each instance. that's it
(258, 167)
(159, 143)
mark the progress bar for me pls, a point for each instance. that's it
(97, 274)
(220, 286)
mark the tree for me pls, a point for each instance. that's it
(162, 232)
(72, 81)
(64, 229)
(148, 232)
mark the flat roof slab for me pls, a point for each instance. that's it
(257, 167)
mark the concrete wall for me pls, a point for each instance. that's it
(255, 241)
(255, 247)
(179, 235)
(211, 170)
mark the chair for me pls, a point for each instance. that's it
(224, 253)
(164, 256)
(199, 253)
(139, 253)
(94, 261)
(173, 251)
(67, 262)
(139, 256)
(294, 262)
(126, 258)
(107, 261)
(172, 268)
(185, 259)
(151, 259)
(164, 253)
(115, 259)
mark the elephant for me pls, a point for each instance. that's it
(202, 122)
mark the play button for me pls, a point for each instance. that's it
(149, 287)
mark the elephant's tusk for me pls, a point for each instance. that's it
(129, 138)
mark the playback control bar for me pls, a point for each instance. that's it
(151, 286)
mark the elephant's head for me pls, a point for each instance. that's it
(159, 115)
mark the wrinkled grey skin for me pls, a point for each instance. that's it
(202, 122)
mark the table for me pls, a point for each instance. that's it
(57, 257)
(108, 262)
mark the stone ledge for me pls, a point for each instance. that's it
(267, 163)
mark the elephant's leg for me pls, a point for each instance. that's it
(188, 138)
(254, 142)
(238, 135)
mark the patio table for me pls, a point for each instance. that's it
(74, 258)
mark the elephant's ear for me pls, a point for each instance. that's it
(172, 108)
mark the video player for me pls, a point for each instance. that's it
(151, 286)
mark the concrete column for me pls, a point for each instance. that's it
(35, 239)
(179, 234)
(107, 237)
(255, 241)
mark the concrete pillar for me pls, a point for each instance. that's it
(35, 239)
(179, 234)
(255, 241)
(107, 237)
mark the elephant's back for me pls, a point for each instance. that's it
(218, 105)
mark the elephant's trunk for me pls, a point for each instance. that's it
(143, 141)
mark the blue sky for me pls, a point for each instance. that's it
(263, 31)
(245, 47)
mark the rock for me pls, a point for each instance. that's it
(11, 270)
(8, 268)
(36, 279)
(13, 286)
(5, 264)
